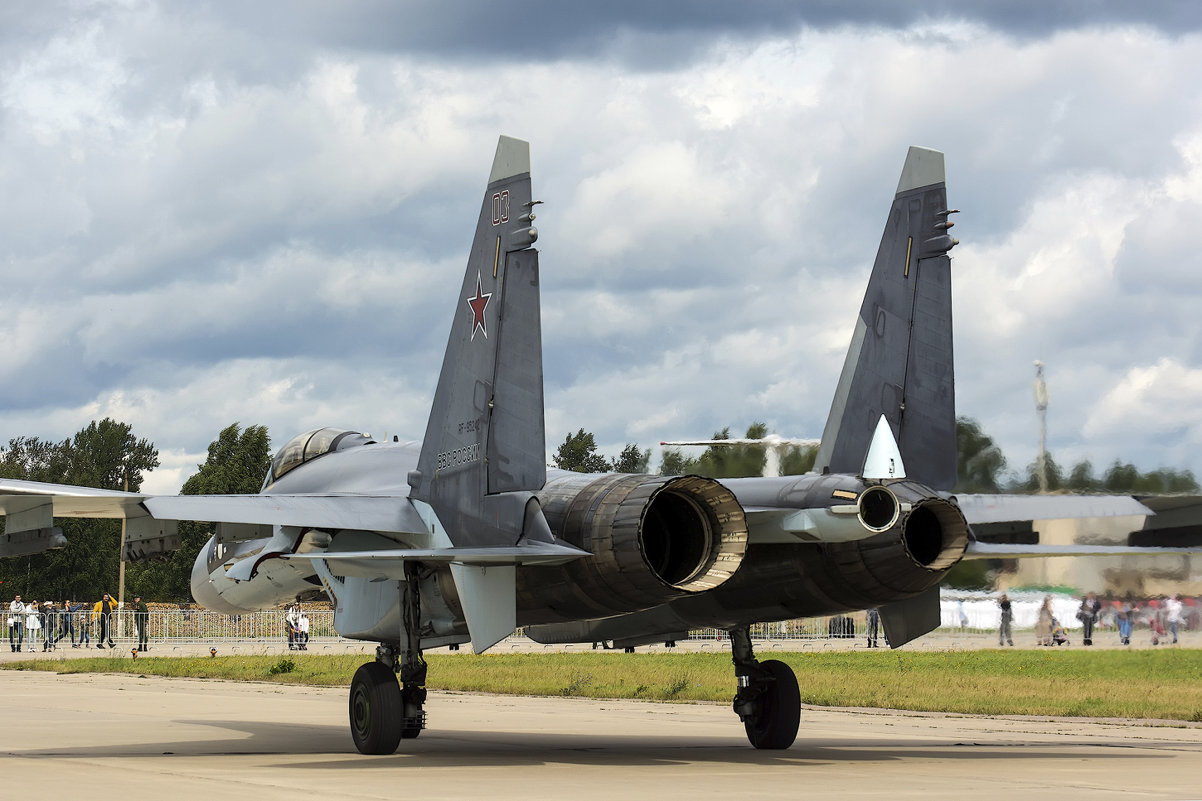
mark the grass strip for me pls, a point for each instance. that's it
(1160, 684)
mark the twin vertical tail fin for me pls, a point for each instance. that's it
(484, 448)
(899, 365)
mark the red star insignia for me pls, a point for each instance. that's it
(478, 304)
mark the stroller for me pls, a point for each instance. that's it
(1157, 627)
(1059, 635)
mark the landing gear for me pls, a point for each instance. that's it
(382, 711)
(768, 700)
(375, 708)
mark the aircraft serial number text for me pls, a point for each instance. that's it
(459, 457)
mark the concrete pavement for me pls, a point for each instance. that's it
(130, 738)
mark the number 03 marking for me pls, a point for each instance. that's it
(500, 207)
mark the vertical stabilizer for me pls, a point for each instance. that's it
(485, 435)
(899, 365)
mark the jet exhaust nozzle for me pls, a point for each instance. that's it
(652, 539)
(878, 509)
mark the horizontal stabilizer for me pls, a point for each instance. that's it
(990, 550)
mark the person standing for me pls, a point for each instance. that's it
(302, 623)
(102, 613)
(32, 625)
(85, 624)
(141, 617)
(1088, 615)
(49, 620)
(874, 624)
(1043, 626)
(1172, 610)
(16, 624)
(290, 623)
(1004, 636)
(66, 624)
(1123, 617)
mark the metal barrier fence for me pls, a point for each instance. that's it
(194, 626)
(186, 626)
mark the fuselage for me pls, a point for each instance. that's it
(779, 577)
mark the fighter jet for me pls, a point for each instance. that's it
(466, 535)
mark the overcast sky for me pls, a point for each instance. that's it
(215, 212)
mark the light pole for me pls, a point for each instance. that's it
(121, 571)
(1041, 408)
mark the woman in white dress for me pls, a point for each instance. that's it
(33, 625)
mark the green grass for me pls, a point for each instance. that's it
(1161, 684)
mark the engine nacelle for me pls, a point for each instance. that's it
(652, 539)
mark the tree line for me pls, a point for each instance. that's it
(981, 467)
(106, 454)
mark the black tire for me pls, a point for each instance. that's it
(375, 709)
(776, 724)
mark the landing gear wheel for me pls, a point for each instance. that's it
(774, 725)
(375, 709)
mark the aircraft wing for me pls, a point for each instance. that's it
(1010, 508)
(343, 511)
(391, 514)
(987, 509)
(63, 500)
(992, 550)
(30, 508)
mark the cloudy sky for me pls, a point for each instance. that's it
(216, 212)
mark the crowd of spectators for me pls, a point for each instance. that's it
(43, 625)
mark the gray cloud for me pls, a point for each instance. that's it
(655, 35)
(217, 213)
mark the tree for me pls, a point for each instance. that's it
(102, 455)
(1031, 483)
(674, 463)
(106, 455)
(734, 461)
(979, 461)
(236, 464)
(632, 460)
(1081, 479)
(32, 459)
(579, 453)
(1123, 478)
(737, 461)
(798, 460)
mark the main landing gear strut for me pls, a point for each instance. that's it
(768, 700)
(382, 711)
